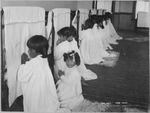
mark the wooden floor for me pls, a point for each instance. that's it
(128, 81)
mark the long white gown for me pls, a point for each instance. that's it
(104, 35)
(107, 30)
(95, 42)
(36, 83)
(110, 35)
(112, 31)
(92, 46)
(69, 88)
(65, 47)
(69, 92)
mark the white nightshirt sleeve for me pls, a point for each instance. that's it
(25, 71)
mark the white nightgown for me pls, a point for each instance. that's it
(113, 32)
(37, 86)
(70, 93)
(103, 35)
(69, 88)
(110, 40)
(92, 47)
(65, 47)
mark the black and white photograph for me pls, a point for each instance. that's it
(68, 56)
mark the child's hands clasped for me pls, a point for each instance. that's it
(24, 58)
(60, 73)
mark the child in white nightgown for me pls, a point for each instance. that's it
(93, 41)
(65, 44)
(69, 88)
(113, 36)
(96, 41)
(92, 47)
(35, 80)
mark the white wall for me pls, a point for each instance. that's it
(84, 4)
(50, 4)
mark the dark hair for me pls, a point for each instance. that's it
(67, 32)
(70, 56)
(88, 24)
(77, 59)
(93, 19)
(107, 16)
(39, 43)
(100, 20)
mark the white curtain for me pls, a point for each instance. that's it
(143, 19)
(61, 19)
(142, 13)
(103, 4)
(20, 24)
(142, 6)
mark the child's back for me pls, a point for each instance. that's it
(36, 80)
(38, 86)
(70, 82)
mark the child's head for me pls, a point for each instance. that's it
(107, 16)
(68, 33)
(100, 21)
(72, 59)
(38, 45)
(88, 24)
(92, 20)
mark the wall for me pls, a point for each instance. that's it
(48, 5)
(124, 6)
(84, 4)
(124, 12)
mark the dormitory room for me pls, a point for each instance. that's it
(74, 56)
